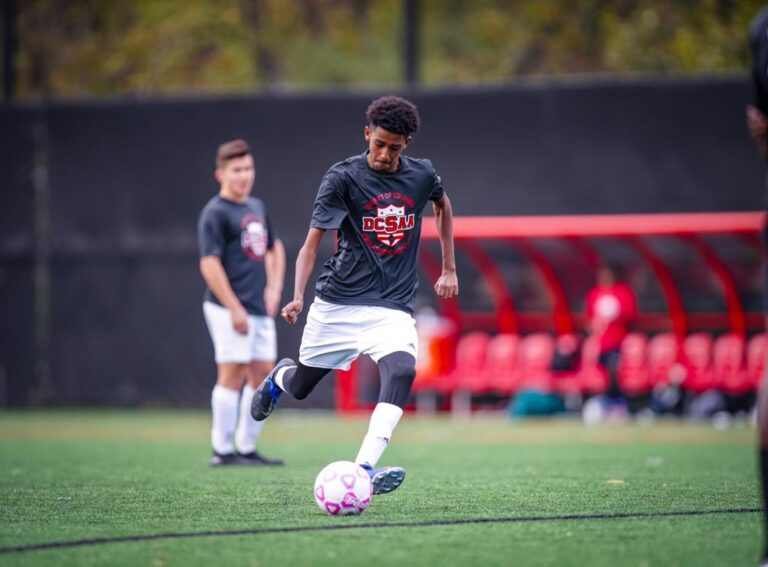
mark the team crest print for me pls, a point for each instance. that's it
(387, 228)
(254, 237)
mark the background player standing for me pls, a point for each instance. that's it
(365, 295)
(757, 125)
(243, 265)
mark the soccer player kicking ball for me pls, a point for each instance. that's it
(364, 297)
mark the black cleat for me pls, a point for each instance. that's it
(266, 395)
(254, 459)
(222, 460)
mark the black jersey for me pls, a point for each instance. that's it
(240, 234)
(378, 216)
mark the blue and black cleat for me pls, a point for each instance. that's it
(266, 396)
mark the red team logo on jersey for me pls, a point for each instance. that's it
(390, 224)
(254, 237)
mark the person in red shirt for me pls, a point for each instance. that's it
(611, 312)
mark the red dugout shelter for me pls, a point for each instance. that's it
(691, 272)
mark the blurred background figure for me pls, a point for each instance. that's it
(243, 265)
(668, 397)
(611, 311)
(567, 355)
(757, 126)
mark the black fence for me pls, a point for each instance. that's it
(99, 286)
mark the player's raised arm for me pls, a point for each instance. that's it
(305, 263)
(447, 285)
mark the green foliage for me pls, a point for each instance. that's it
(686, 36)
(106, 47)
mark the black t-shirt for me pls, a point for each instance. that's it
(378, 216)
(240, 234)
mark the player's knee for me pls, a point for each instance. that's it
(405, 376)
(398, 371)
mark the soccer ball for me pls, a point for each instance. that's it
(343, 488)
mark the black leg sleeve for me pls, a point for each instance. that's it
(397, 371)
(301, 380)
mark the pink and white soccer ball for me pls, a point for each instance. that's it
(343, 488)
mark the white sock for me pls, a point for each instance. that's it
(248, 429)
(224, 408)
(383, 422)
(279, 376)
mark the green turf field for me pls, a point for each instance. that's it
(69, 476)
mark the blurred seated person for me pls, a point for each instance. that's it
(668, 397)
(567, 355)
(533, 401)
(611, 311)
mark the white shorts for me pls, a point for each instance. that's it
(230, 346)
(335, 335)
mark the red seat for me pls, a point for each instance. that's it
(469, 373)
(592, 377)
(634, 378)
(662, 356)
(728, 365)
(757, 350)
(501, 363)
(533, 368)
(697, 360)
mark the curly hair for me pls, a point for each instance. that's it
(394, 114)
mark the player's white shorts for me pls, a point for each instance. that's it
(335, 335)
(230, 346)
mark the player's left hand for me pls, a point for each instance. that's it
(272, 301)
(448, 285)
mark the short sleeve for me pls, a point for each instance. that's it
(329, 211)
(436, 191)
(210, 234)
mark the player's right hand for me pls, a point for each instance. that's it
(240, 320)
(291, 311)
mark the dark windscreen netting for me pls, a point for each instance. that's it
(126, 180)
